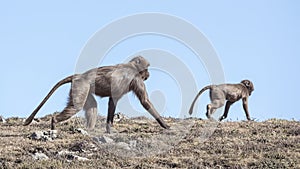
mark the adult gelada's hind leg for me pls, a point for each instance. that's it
(211, 108)
(208, 111)
(77, 98)
(90, 109)
(217, 98)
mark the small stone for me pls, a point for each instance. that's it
(70, 156)
(105, 139)
(2, 120)
(76, 157)
(40, 156)
(80, 130)
(64, 152)
(96, 139)
(37, 135)
(44, 135)
(52, 134)
(132, 143)
(120, 116)
(77, 147)
(123, 145)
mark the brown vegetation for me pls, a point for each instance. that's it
(270, 144)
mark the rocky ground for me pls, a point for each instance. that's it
(141, 143)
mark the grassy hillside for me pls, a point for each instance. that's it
(141, 143)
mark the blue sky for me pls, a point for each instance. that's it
(259, 40)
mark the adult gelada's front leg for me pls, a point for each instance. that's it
(140, 91)
(245, 106)
(157, 117)
(110, 114)
(227, 106)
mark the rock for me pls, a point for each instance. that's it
(64, 152)
(123, 145)
(78, 147)
(52, 134)
(34, 121)
(71, 156)
(44, 135)
(119, 117)
(2, 120)
(80, 130)
(105, 139)
(76, 157)
(96, 139)
(132, 143)
(37, 135)
(40, 156)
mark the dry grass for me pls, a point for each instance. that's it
(270, 144)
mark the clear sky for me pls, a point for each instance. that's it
(41, 42)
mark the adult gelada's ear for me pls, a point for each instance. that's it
(247, 83)
(138, 61)
(135, 60)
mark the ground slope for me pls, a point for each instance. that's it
(270, 144)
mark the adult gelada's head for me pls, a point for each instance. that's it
(249, 85)
(140, 63)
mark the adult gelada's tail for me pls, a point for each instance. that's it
(200, 92)
(62, 82)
